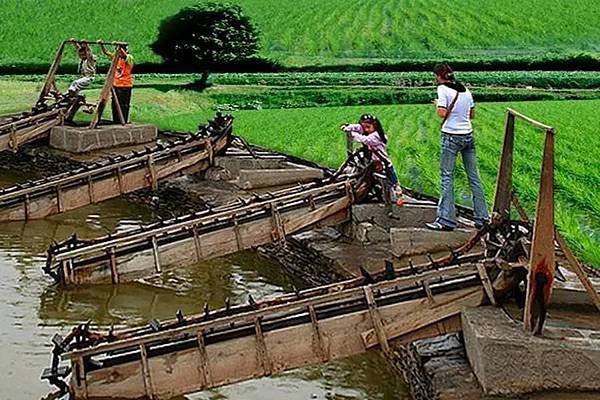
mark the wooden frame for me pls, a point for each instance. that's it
(107, 88)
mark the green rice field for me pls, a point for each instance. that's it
(313, 32)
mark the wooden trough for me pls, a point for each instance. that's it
(223, 230)
(113, 177)
(220, 347)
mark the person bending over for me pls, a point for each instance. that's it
(370, 133)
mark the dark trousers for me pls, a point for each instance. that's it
(124, 98)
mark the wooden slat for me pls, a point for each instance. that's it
(575, 266)
(318, 342)
(376, 319)
(261, 349)
(487, 284)
(156, 255)
(114, 272)
(203, 361)
(146, 373)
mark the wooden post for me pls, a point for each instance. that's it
(376, 319)
(203, 366)
(487, 284)
(59, 199)
(26, 206)
(80, 377)
(261, 348)
(120, 179)
(105, 93)
(156, 255)
(541, 263)
(50, 77)
(318, 343)
(91, 189)
(146, 373)
(117, 105)
(114, 272)
(197, 245)
(428, 291)
(152, 172)
(502, 197)
(238, 235)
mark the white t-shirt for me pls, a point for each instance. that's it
(459, 121)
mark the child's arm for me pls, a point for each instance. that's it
(370, 140)
(104, 50)
(352, 128)
(75, 44)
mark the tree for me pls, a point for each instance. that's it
(206, 35)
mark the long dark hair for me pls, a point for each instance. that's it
(445, 71)
(375, 121)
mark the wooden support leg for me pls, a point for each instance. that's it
(146, 373)
(576, 267)
(203, 362)
(541, 269)
(487, 284)
(317, 342)
(261, 348)
(504, 181)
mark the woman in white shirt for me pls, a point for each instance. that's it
(456, 107)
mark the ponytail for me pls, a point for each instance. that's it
(445, 71)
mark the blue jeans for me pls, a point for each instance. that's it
(451, 146)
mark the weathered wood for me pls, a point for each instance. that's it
(427, 289)
(203, 361)
(504, 180)
(318, 342)
(376, 319)
(531, 121)
(487, 284)
(105, 93)
(148, 387)
(261, 350)
(541, 270)
(114, 272)
(575, 266)
(156, 255)
(50, 76)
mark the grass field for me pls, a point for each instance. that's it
(312, 133)
(321, 32)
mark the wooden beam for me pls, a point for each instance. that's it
(575, 267)
(504, 180)
(50, 77)
(487, 284)
(542, 265)
(104, 93)
(376, 320)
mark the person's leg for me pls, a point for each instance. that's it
(114, 102)
(391, 175)
(469, 157)
(79, 84)
(446, 213)
(124, 95)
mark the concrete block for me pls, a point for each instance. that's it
(509, 361)
(394, 217)
(413, 241)
(76, 139)
(235, 163)
(366, 232)
(260, 178)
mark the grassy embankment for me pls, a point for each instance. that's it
(313, 32)
(312, 133)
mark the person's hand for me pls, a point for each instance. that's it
(99, 41)
(343, 127)
(435, 102)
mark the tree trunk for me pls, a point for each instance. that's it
(200, 84)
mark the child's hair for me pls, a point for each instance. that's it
(375, 121)
(445, 71)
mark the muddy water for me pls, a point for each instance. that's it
(32, 309)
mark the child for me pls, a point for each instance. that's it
(369, 132)
(87, 67)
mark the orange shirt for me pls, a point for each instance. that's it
(123, 76)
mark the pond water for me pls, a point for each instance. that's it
(33, 309)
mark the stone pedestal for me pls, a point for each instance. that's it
(77, 139)
(509, 361)
(412, 241)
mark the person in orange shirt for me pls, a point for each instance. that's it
(123, 82)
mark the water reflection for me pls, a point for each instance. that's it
(32, 308)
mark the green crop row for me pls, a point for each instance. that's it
(316, 32)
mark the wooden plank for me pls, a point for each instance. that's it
(203, 361)
(90, 182)
(428, 292)
(502, 196)
(149, 389)
(531, 121)
(50, 76)
(542, 264)
(376, 320)
(487, 284)
(261, 349)
(575, 266)
(456, 272)
(446, 306)
(114, 272)
(318, 343)
(197, 245)
(231, 360)
(79, 371)
(104, 93)
(152, 173)
(156, 255)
